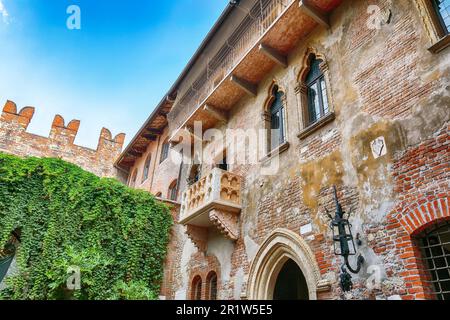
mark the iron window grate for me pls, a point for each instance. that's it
(435, 246)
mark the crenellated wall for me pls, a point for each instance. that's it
(15, 139)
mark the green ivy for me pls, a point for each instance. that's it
(67, 217)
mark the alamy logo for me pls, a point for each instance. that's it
(74, 278)
(374, 281)
(74, 20)
(377, 17)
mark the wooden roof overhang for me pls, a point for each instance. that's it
(149, 132)
(295, 23)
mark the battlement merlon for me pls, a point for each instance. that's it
(63, 133)
(60, 132)
(22, 118)
(106, 140)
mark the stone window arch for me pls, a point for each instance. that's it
(279, 247)
(314, 93)
(158, 194)
(275, 117)
(196, 289)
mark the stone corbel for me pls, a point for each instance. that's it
(199, 236)
(323, 285)
(226, 222)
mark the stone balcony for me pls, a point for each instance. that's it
(213, 201)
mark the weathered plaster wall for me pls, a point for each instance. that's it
(161, 174)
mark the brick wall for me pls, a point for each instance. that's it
(384, 82)
(15, 139)
(422, 181)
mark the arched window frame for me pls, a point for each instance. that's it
(434, 258)
(158, 194)
(269, 109)
(172, 192)
(435, 27)
(307, 127)
(146, 169)
(165, 148)
(197, 288)
(212, 286)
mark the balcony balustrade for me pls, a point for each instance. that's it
(213, 201)
(270, 30)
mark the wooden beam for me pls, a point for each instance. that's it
(315, 14)
(150, 137)
(154, 131)
(248, 87)
(215, 113)
(134, 153)
(274, 55)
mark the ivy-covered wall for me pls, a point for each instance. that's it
(67, 217)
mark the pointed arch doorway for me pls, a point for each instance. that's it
(284, 268)
(290, 283)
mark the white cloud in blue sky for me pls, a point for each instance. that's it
(4, 13)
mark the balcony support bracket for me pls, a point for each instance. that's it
(273, 55)
(226, 222)
(199, 236)
(216, 114)
(320, 17)
(248, 87)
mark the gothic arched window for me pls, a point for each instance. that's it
(316, 91)
(146, 167)
(277, 118)
(212, 286)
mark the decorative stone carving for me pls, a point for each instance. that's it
(226, 222)
(213, 201)
(198, 235)
(280, 246)
(379, 148)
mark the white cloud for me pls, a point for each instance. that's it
(4, 13)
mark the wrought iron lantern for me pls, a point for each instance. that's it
(344, 244)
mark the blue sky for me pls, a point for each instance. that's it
(111, 73)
